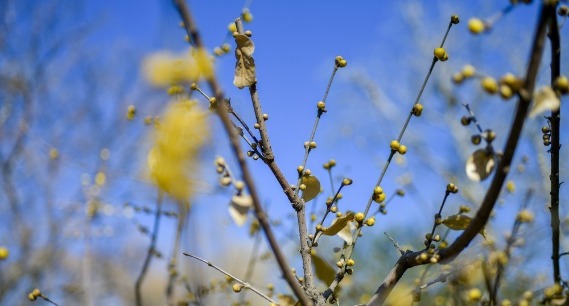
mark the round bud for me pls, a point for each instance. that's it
(246, 15)
(402, 149)
(248, 33)
(445, 57)
(350, 262)
(377, 190)
(321, 105)
(334, 209)
(400, 192)
(506, 91)
(237, 287)
(546, 130)
(4, 252)
(299, 169)
(31, 297)
(347, 181)
(457, 78)
(265, 117)
(439, 53)
(302, 187)
(468, 71)
(332, 162)
(394, 145)
(36, 292)
(339, 214)
(465, 120)
(563, 10)
(306, 144)
(225, 47)
(312, 145)
(561, 83)
(474, 295)
(359, 217)
(307, 172)
(489, 135)
(437, 238)
(476, 139)
(489, 85)
(339, 264)
(338, 59)
(194, 86)
(417, 109)
(454, 19)
(476, 26)
(546, 142)
(379, 198)
(217, 51)
(343, 63)
(339, 196)
(232, 27)
(370, 221)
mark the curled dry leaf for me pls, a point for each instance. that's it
(544, 99)
(239, 207)
(480, 165)
(312, 187)
(460, 222)
(323, 269)
(245, 66)
(338, 224)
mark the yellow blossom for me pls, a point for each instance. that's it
(164, 69)
(179, 138)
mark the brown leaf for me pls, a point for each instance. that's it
(338, 225)
(239, 207)
(480, 165)
(545, 99)
(323, 269)
(312, 187)
(460, 222)
(245, 66)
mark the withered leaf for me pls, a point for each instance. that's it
(245, 66)
(480, 165)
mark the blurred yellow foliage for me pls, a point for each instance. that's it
(164, 69)
(182, 133)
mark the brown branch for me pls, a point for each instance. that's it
(236, 147)
(555, 122)
(446, 255)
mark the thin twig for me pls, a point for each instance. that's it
(508, 249)
(247, 178)
(395, 243)
(555, 123)
(350, 249)
(151, 250)
(245, 284)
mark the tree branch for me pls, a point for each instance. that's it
(236, 147)
(446, 255)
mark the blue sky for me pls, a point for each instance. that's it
(388, 46)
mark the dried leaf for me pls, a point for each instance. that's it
(239, 207)
(245, 66)
(480, 165)
(323, 269)
(545, 99)
(460, 222)
(338, 224)
(312, 187)
(347, 233)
